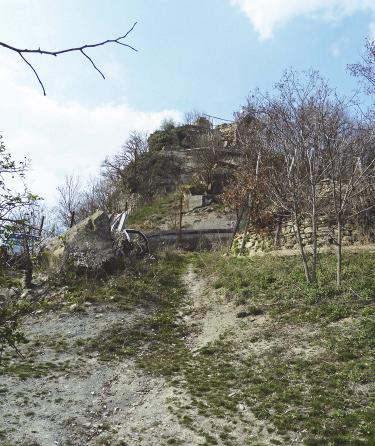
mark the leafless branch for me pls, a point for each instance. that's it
(93, 64)
(80, 49)
(36, 74)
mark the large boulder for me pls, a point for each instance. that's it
(86, 248)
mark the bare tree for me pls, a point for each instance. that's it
(285, 168)
(79, 49)
(102, 193)
(208, 157)
(12, 200)
(365, 70)
(293, 132)
(351, 171)
(14, 206)
(314, 149)
(25, 238)
(128, 162)
(26, 234)
(250, 143)
(69, 200)
(310, 101)
(236, 197)
(167, 124)
(192, 116)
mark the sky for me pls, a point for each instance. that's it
(205, 55)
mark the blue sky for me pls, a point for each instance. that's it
(205, 55)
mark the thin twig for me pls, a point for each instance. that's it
(36, 74)
(92, 63)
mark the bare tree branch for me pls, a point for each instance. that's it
(365, 69)
(36, 74)
(80, 49)
(92, 63)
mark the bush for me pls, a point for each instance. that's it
(161, 138)
(10, 334)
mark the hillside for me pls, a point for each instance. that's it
(196, 349)
(163, 214)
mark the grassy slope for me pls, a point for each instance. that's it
(327, 396)
(162, 211)
(324, 398)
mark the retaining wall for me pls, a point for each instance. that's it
(265, 241)
(190, 240)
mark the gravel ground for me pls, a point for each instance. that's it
(87, 402)
(80, 399)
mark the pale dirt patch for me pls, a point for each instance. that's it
(209, 311)
(92, 402)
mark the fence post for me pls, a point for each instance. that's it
(180, 218)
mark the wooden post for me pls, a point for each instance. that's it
(276, 241)
(180, 218)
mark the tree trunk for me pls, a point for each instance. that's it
(242, 247)
(302, 250)
(339, 252)
(250, 206)
(236, 228)
(28, 266)
(72, 219)
(314, 238)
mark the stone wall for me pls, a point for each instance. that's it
(266, 241)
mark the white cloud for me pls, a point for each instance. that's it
(62, 138)
(268, 15)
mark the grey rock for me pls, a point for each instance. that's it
(86, 248)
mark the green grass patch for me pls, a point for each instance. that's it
(277, 286)
(153, 214)
(9, 278)
(159, 288)
(27, 368)
(327, 396)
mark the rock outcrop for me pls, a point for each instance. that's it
(86, 248)
(181, 145)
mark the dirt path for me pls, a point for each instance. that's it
(208, 312)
